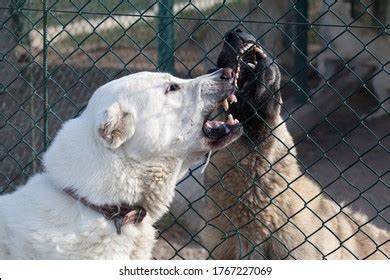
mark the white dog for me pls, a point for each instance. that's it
(111, 173)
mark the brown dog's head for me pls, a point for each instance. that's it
(258, 82)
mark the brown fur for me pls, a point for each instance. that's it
(259, 203)
(264, 207)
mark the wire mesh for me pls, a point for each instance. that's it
(334, 60)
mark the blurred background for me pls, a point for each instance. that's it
(334, 58)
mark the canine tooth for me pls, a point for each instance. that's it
(237, 73)
(230, 119)
(248, 46)
(232, 99)
(251, 65)
(259, 51)
(225, 104)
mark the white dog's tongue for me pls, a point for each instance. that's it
(217, 129)
(216, 124)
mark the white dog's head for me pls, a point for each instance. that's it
(138, 135)
(152, 114)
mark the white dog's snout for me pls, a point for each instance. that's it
(227, 74)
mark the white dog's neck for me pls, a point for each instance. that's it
(111, 177)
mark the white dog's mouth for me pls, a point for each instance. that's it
(223, 131)
(214, 129)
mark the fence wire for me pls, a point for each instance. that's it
(334, 60)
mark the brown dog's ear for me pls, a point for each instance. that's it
(116, 127)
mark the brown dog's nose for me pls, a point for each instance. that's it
(227, 73)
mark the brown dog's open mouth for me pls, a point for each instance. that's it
(247, 57)
(246, 62)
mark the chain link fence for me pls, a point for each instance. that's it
(334, 59)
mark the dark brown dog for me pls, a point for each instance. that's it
(260, 204)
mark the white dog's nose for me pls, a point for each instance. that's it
(227, 73)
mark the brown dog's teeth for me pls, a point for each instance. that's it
(245, 48)
(237, 75)
(259, 51)
(248, 46)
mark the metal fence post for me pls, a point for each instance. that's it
(45, 78)
(165, 36)
(301, 49)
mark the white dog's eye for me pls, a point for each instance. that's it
(172, 87)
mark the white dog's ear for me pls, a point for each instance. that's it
(116, 127)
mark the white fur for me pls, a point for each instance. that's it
(130, 145)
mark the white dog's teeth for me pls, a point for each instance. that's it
(232, 99)
(251, 65)
(230, 119)
(225, 104)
